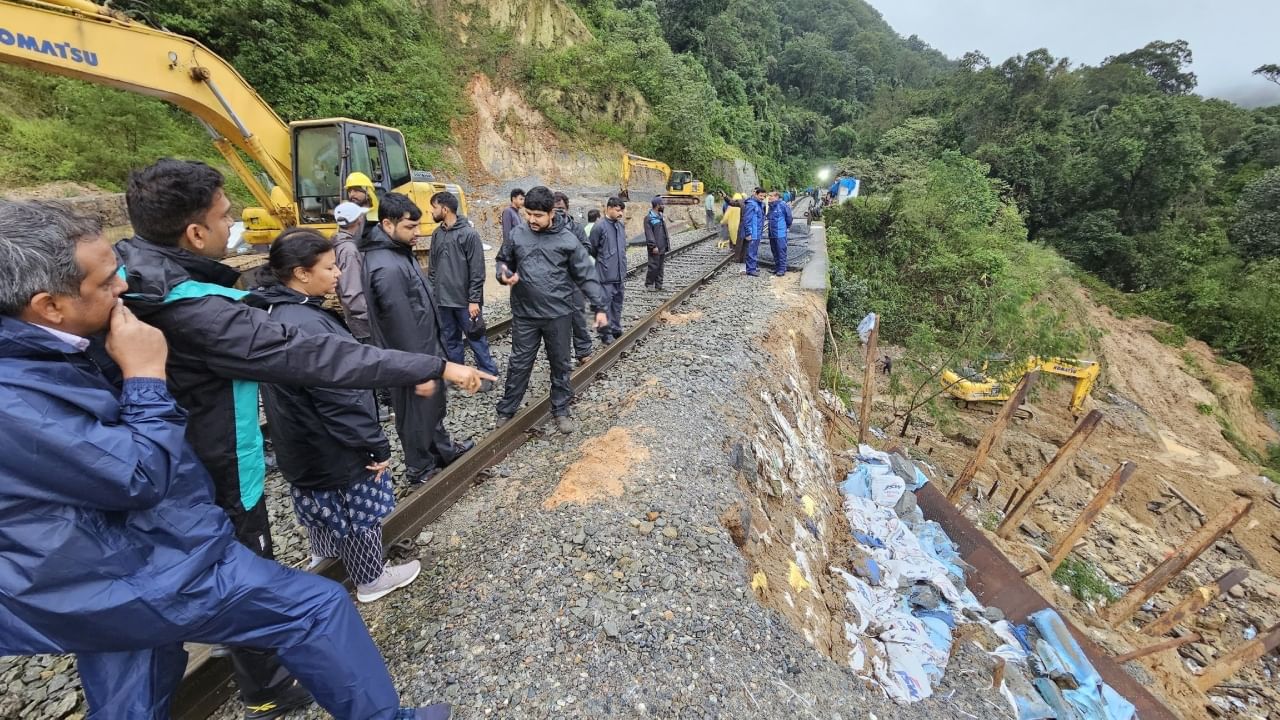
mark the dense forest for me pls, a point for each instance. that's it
(1170, 199)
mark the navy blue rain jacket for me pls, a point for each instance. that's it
(779, 218)
(753, 218)
(107, 519)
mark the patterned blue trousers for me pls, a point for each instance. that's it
(347, 523)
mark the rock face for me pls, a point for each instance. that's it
(533, 23)
(741, 174)
(510, 139)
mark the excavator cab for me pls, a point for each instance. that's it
(327, 151)
(679, 179)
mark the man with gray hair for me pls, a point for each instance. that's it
(111, 544)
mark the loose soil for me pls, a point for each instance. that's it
(606, 460)
(1162, 407)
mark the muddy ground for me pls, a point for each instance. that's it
(1165, 409)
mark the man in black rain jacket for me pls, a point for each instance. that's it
(581, 334)
(608, 245)
(403, 316)
(456, 272)
(543, 263)
(220, 348)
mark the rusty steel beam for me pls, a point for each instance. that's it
(1060, 460)
(992, 434)
(998, 583)
(1195, 601)
(1159, 647)
(1207, 535)
(868, 382)
(1238, 657)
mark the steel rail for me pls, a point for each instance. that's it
(207, 685)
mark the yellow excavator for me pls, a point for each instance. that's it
(679, 186)
(974, 386)
(304, 164)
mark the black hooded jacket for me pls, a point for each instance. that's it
(456, 267)
(402, 309)
(324, 437)
(609, 247)
(221, 347)
(551, 264)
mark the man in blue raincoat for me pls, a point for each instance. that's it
(111, 545)
(779, 220)
(753, 224)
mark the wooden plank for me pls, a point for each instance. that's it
(1062, 548)
(990, 437)
(1157, 647)
(868, 382)
(1060, 461)
(1238, 657)
(1195, 601)
(1188, 551)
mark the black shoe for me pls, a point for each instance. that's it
(291, 697)
(462, 448)
(486, 386)
(650, 288)
(499, 420)
(605, 340)
(424, 477)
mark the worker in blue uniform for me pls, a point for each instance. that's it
(779, 219)
(111, 544)
(753, 224)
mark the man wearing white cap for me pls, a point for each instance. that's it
(351, 218)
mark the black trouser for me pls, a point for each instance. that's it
(420, 424)
(526, 333)
(259, 674)
(653, 278)
(612, 308)
(581, 335)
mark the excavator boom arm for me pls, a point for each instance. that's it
(78, 39)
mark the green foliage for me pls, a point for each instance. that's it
(944, 260)
(1204, 408)
(56, 129)
(1084, 581)
(1170, 335)
(380, 61)
(1256, 231)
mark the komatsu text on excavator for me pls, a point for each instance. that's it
(304, 164)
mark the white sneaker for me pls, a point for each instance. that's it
(393, 577)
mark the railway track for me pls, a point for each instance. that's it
(207, 684)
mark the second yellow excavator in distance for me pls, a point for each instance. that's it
(679, 186)
(974, 386)
(304, 164)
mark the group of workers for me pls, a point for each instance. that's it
(746, 221)
(133, 517)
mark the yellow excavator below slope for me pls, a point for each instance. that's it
(679, 186)
(303, 163)
(978, 387)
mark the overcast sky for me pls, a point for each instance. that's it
(1229, 38)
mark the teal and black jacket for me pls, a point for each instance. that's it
(222, 344)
